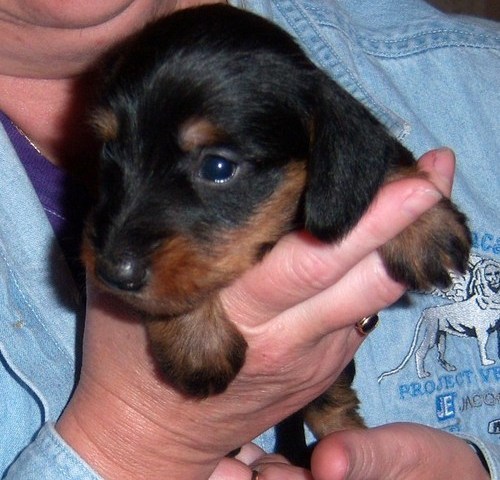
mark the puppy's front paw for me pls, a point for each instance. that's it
(200, 352)
(423, 254)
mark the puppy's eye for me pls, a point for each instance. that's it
(217, 169)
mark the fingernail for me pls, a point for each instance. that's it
(420, 200)
(442, 166)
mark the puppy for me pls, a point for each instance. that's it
(219, 136)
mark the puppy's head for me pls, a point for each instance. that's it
(219, 136)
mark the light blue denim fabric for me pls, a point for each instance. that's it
(38, 313)
(433, 80)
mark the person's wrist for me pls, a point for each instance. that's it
(119, 441)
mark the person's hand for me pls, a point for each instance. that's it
(252, 459)
(296, 309)
(393, 452)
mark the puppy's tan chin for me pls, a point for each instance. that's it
(148, 306)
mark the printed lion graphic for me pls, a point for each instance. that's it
(474, 313)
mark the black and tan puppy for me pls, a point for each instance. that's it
(219, 137)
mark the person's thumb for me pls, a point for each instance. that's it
(393, 452)
(361, 455)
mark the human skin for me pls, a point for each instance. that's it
(296, 309)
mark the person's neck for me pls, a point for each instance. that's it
(53, 116)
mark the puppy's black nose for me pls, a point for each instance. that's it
(127, 274)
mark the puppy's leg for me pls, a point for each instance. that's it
(200, 352)
(336, 409)
(425, 252)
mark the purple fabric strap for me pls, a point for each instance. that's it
(64, 200)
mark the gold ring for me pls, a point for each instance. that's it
(255, 475)
(366, 325)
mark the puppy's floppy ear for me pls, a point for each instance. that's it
(350, 155)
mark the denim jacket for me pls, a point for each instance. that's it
(433, 80)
